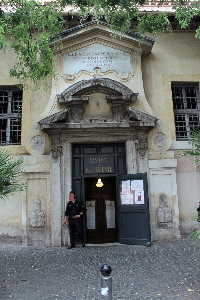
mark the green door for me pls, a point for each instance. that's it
(133, 209)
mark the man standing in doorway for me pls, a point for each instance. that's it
(74, 211)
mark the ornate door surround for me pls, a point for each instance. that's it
(129, 126)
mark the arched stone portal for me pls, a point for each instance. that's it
(104, 85)
(67, 127)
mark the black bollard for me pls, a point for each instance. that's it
(106, 282)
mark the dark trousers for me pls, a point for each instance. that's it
(74, 226)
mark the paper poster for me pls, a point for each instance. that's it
(137, 185)
(139, 197)
(91, 214)
(126, 187)
(127, 199)
(110, 213)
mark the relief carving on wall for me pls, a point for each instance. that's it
(164, 212)
(56, 152)
(76, 112)
(37, 142)
(159, 139)
(142, 149)
(36, 217)
(97, 73)
(119, 107)
(118, 111)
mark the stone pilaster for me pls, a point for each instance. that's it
(56, 197)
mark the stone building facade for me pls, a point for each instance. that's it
(115, 109)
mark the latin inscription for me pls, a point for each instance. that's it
(97, 56)
(99, 165)
(96, 59)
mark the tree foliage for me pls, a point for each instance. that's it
(30, 25)
(10, 171)
(195, 235)
(194, 141)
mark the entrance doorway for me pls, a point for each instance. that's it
(101, 215)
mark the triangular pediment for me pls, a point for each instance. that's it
(136, 119)
(137, 116)
(58, 117)
(96, 32)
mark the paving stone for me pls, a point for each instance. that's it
(164, 271)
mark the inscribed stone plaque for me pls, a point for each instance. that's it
(99, 164)
(97, 56)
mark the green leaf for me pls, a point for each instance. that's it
(10, 173)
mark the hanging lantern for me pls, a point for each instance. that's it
(99, 183)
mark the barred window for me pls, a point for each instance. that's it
(186, 105)
(10, 115)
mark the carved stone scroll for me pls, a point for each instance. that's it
(75, 104)
(118, 111)
(76, 112)
(119, 107)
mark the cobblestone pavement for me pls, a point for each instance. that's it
(164, 271)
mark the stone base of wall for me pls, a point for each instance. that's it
(7, 239)
(166, 232)
(188, 226)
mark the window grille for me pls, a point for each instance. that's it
(10, 115)
(186, 104)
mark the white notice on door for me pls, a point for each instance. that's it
(110, 213)
(126, 187)
(91, 214)
(127, 199)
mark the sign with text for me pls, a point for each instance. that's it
(97, 56)
(99, 165)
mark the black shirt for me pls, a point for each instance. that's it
(74, 208)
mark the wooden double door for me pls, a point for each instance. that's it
(101, 215)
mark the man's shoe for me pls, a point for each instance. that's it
(70, 247)
(83, 244)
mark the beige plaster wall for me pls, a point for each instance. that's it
(188, 185)
(174, 57)
(97, 107)
(12, 212)
(167, 62)
(11, 215)
(35, 99)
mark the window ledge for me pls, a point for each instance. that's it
(180, 145)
